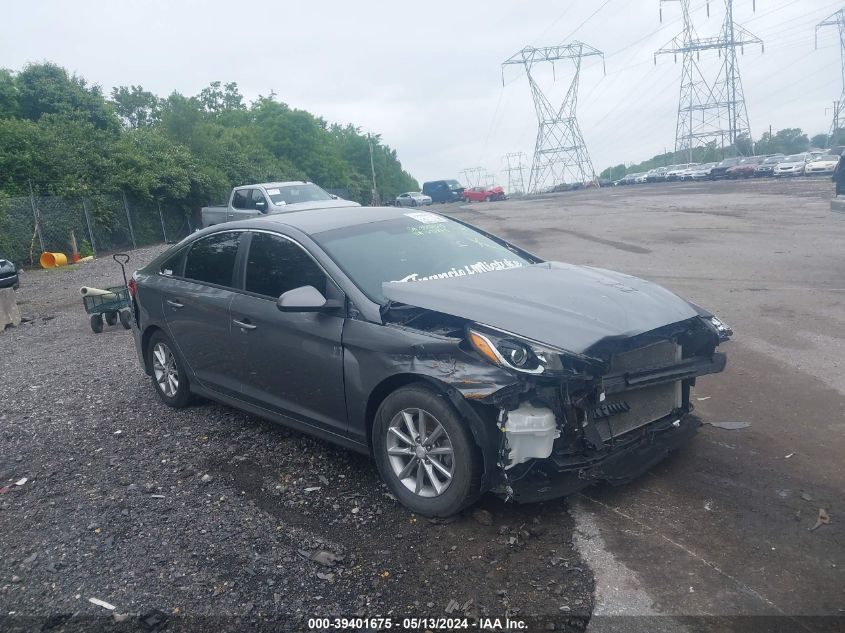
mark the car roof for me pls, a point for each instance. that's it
(313, 221)
(267, 185)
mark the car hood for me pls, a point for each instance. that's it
(822, 163)
(563, 305)
(307, 206)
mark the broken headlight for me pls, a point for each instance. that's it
(523, 355)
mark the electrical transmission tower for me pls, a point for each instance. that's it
(560, 152)
(515, 172)
(837, 127)
(473, 176)
(710, 112)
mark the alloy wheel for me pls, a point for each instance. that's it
(420, 452)
(165, 370)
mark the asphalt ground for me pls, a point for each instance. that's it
(724, 528)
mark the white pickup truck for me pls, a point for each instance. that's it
(249, 201)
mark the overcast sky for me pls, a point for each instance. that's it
(427, 75)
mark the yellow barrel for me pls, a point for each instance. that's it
(52, 260)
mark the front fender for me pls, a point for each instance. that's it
(381, 358)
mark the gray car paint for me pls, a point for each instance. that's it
(377, 356)
(571, 307)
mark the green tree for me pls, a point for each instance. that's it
(49, 89)
(135, 106)
(821, 141)
(8, 94)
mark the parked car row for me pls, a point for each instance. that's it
(812, 163)
(443, 191)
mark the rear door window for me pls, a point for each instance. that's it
(276, 265)
(211, 259)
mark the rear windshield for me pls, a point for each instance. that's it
(415, 247)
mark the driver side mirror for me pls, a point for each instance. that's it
(261, 205)
(306, 299)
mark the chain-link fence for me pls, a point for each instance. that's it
(96, 224)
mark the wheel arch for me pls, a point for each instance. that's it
(480, 418)
(145, 341)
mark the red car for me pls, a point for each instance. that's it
(745, 168)
(484, 194)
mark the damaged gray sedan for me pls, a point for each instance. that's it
(460, 362)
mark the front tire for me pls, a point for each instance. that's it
(425, 452)
(170, 382)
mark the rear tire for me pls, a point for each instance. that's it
(406, 457)
(487, 199)
(170, 382)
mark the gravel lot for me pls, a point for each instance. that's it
(207, 512)
(213, 514)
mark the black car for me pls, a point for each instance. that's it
(444, 191)
(8, 275)
(460, 362)
(720, 171)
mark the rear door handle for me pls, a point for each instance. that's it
(244, 325)
(175, 304)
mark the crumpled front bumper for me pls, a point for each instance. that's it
(629, 458)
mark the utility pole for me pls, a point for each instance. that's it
(375, 199)
(704, 105)
(514, 170)
(838, 124)
(559, 152)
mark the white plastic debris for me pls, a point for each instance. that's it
(21, 481)
(101, 603)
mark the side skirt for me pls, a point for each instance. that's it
(297, 425)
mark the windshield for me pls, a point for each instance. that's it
(413, 248)
(827, 157)
(291, 194)
(773, 159)
(728, 162)
(454, 184)
(795, 158)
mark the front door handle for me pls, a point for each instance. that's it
(244, 325)
(175, 304)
